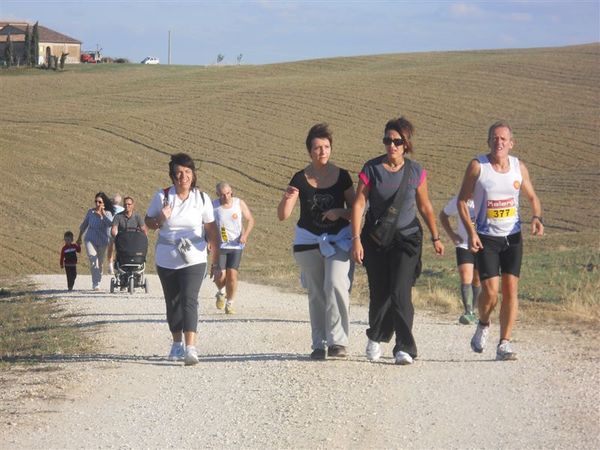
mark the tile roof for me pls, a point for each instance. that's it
(47, 35)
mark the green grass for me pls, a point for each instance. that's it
(33, 328)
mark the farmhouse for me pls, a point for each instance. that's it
(51, 43)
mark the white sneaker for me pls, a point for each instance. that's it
(403, 358)
(479, 339)
(177, 352)
(373, 351)
(191, 356)
(504, 352)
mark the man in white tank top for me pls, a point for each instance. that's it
(229, 212)
(470, 287)
(495, 182)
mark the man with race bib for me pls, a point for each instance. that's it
(229, 211)
(494, 182)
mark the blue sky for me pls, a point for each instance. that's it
(269, 31)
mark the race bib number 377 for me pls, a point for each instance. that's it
(501, 209)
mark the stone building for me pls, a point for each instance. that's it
(51, 43)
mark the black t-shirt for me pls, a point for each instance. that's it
(314, 202)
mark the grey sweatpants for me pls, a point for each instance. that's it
(328, 284)
(96, 257)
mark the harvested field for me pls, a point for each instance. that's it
(65, 136)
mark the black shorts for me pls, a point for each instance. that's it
(500, 255)
(464, 256)
(230, 258)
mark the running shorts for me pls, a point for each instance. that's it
(230, 258)
(500, 254)
(465, 256)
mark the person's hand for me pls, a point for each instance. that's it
(439, 247)
(215, 272)
(78, 241)
(456, 239)
(331, 214)
(291, 192)
(243, 240)
(475, 244)
(358, 252)
(537, 227)
(166, 212)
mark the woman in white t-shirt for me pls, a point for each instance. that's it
(183, 214)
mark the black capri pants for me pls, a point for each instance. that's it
(181, 288)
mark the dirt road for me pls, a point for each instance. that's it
(256, 388)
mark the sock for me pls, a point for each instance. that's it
(476, 292)
(465, 290)
(502, 341)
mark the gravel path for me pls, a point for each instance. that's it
(255, 386)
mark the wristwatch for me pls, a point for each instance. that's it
(540, 218)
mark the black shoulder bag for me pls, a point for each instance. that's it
(384, 228)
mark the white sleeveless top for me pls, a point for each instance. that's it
(451, 209)
(229, 222)
(496, 198)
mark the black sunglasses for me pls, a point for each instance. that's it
(389, 141)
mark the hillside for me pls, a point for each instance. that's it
(65, 136)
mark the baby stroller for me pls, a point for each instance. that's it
(130, 263)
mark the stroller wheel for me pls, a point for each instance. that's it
(131, 285)
(146, 286)
(112, 285)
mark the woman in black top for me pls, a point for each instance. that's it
(322, 242)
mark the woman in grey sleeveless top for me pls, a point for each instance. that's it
(392, 270)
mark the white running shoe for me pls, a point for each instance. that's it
(191, 356)
(479, 339)
(229, 309)
(504, 352)
(177, 352)
(402, 358)
(373, 350)
(220, 302)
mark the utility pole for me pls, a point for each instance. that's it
(169, 47)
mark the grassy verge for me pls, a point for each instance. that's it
(33, 328)
(558, 284)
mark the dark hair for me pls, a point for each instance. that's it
(127, 197)
(498, 124)
(108, 204)
(318, 131)
(68, 234)
(185, 160)
(404, 128)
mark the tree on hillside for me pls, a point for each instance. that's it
(63, 58)
(239, 58)
(9, 51)
(220, 58)
(27, 46)
(35, 46)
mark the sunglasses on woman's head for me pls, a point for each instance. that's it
(389, 141)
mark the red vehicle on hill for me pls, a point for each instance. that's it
(88, 58)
